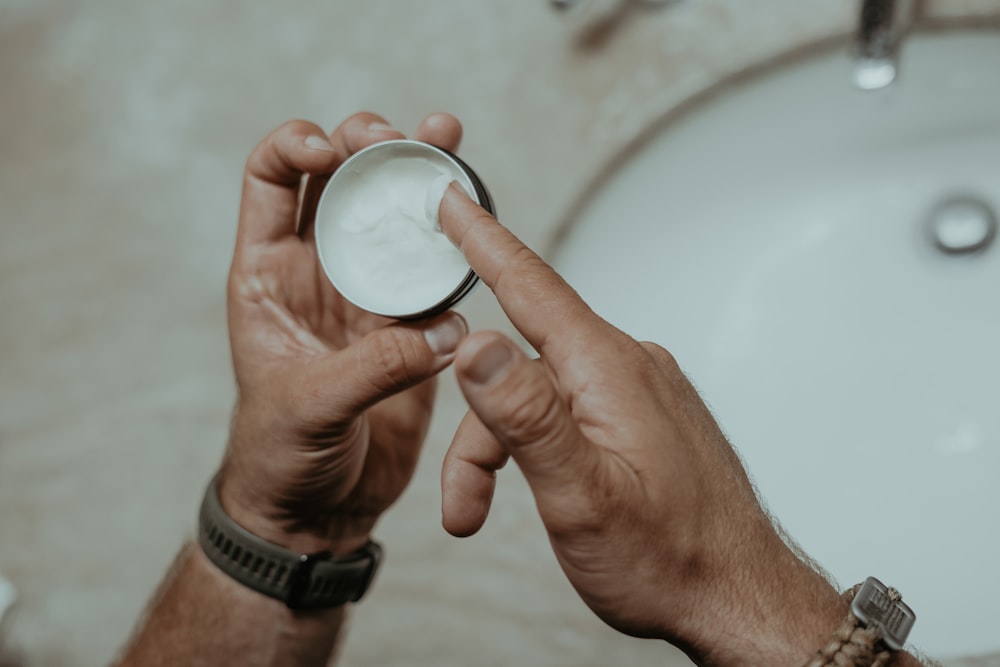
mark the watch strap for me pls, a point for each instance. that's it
(301, 581)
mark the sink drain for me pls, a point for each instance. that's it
(962, 225)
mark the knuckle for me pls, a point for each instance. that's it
(522, 257)
(363, 119)
(390, 357)
(266, 144)
(482, 217)
(267, 160)
(518, 259)
(515, 275)
(296, 126)
(260, 149)
(589, 509)
(534, 414)
(662, 356)
(658, 352)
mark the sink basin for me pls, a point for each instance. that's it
(778, 239)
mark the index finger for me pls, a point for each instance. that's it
(272, 176)
(274, 171)
(542, 305)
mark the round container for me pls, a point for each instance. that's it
(377, 234)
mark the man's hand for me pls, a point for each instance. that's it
(647, 506)
(334, 402)
(333, 406)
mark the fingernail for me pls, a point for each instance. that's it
(443, 338)
(489, 363)
(435, 195)
(381, 127)
(456, 191)
(319, 143)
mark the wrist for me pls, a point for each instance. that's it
(302, 581)
(777, 610)
(274, 483)
(337, 534)
(245, 598)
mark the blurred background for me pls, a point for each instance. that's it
(123, 129)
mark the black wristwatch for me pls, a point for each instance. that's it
(301, 581)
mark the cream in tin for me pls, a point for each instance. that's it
(377, 231)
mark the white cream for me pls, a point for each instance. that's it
(377, 230)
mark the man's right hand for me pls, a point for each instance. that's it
(647, 506)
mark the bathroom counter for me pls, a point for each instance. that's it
(125, 129)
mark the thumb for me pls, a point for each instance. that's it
(516, 398)
(340, 386)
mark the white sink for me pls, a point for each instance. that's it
(774, 239)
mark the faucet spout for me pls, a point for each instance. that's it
(881, 28)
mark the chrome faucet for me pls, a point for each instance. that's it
(881, 28)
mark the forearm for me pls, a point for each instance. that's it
(202, 617)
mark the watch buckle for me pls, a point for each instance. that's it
(300, 577)
(374, 552)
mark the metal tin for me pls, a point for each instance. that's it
(373, 157)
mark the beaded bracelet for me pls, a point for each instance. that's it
(875, 628)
